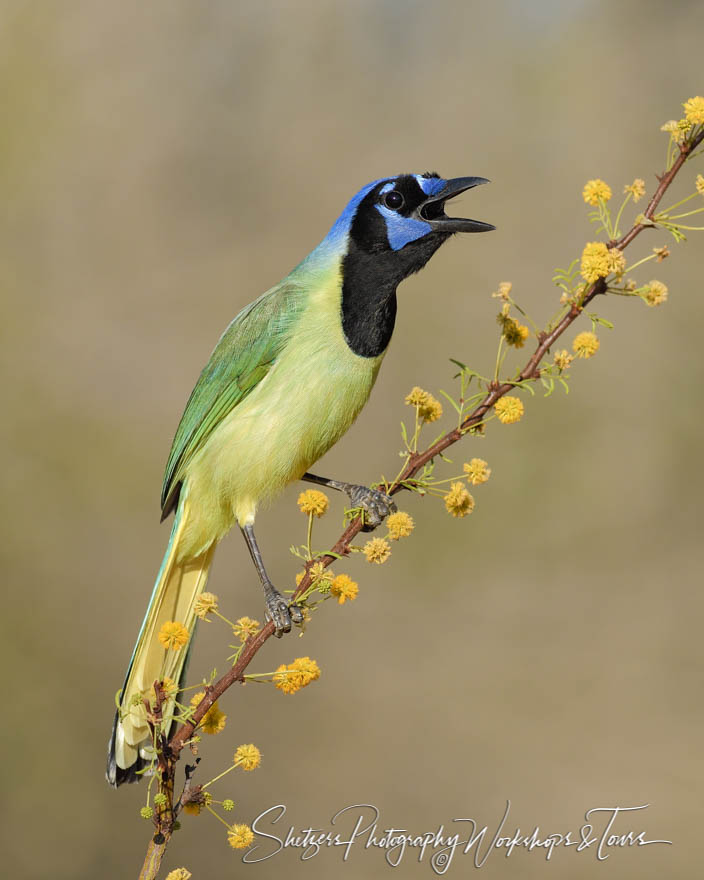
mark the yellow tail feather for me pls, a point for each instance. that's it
(178, 586)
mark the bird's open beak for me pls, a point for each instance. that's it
(432, 210)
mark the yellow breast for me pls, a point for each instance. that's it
(309, 398)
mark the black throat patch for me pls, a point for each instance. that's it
(371, 272)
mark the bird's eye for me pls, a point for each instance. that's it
(393, 200)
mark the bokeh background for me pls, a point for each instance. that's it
(162, 164)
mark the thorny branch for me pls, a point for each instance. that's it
(417, 460)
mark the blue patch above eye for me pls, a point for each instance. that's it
(402, 230)
(431, 185)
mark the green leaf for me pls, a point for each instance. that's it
(451, 401)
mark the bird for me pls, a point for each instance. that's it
(286, 380)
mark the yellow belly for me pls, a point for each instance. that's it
(310, 397)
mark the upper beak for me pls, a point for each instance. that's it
(432, 210)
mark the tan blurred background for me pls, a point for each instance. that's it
(160, 165)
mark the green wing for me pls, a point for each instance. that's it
(241, 359)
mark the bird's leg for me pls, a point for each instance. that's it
(375, 504)
(277, 608)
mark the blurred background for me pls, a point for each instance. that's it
(161, 165)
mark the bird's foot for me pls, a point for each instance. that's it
(375, 504)
(280, 612)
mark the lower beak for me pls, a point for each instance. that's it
(432, 211)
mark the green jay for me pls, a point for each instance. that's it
(286, 380)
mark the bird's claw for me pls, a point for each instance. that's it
(375, 504)
(281, 613)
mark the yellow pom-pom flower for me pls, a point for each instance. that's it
(313, 501)
(344, 588)
(248, 757)
(586, 344)
(514, 333)
(596, 262)
(240, 836)
(214, 720)
(655, 293)
(458, 501)
(377, 550)
(245, 627)
(694, 110)
(400, 525)
(296, 675)
(699, 183)
(179, 874)
(429, 409)
(595, 191)
(617, 261)
(477, 471)
(205, 604)
(228, 805)
(503, 291)
(562, 359)
(636, 189)
(173, 635)
(509, 410)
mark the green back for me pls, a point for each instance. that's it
(241, 359)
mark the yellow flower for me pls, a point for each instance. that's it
(313, 501)
(562, 359)
(477, 471)
(296, 675)
(214, 720)
(503, 291)
(432, 411)
(228, 805)
(179, 874)
(596, 262)
(245, 627)
(429, 409)
(377, 550)
(595, 191)
(514, 333)
(694, 110)
(655, 293)
(307, 669)
(248, 757)
(678, 129)
(205, 604)
(585, 344)
(344, 588)
(458, 501)
(417, 397)
(699, 183)
(284, 681)
(173, 635)
(240, 836)
(400, 525)
(663, 252)
(509, 410)
(146, 812)
(636, 189)
(617, 261)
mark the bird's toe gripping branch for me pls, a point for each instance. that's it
(375, 504)
(280, 612)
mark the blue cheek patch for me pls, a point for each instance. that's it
(431, 185)
(402, 230)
